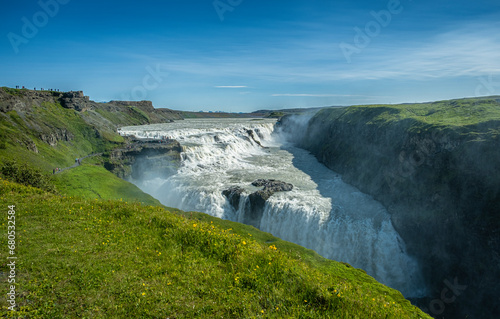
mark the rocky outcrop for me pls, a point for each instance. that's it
(55, 136)
(28, 144)
(254, 207)
(272, 186)
(76, 100)
(252, 137)
(24, 100)
(440, 183)
(233, 195)
(139, 159)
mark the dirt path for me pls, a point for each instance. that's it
(77, 163)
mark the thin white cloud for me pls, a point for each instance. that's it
(359, 97)
(230, 86)
(313, 95)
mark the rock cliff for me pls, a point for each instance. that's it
(140, 158)
(436, 167)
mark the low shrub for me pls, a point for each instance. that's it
(26, 175)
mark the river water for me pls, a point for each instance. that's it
(321, 212)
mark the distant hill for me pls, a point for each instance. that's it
(194, 115)
(266, 113)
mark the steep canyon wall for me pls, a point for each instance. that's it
(436, 168)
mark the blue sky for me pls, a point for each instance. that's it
(243, 55)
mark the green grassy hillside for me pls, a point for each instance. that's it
(36, 130)
(50, 136)
(91, 258)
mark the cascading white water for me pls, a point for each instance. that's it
(321, 212)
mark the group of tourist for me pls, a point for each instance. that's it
(34, 89)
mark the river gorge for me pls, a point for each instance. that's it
(321, 212)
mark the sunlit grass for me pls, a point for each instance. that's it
(94, 181)
(90, 258)
(465, 112)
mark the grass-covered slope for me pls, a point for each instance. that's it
(43, 132)
(91, 258)
(94, 181)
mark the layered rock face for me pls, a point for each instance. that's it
(141, 158)
(441, 185)
(77, 101)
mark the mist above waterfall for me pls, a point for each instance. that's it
(321, 212)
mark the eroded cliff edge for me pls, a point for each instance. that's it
(436, 167)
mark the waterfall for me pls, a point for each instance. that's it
(321, 212)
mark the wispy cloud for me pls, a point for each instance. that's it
(230, 86)
(468, 51)
(314, 95)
